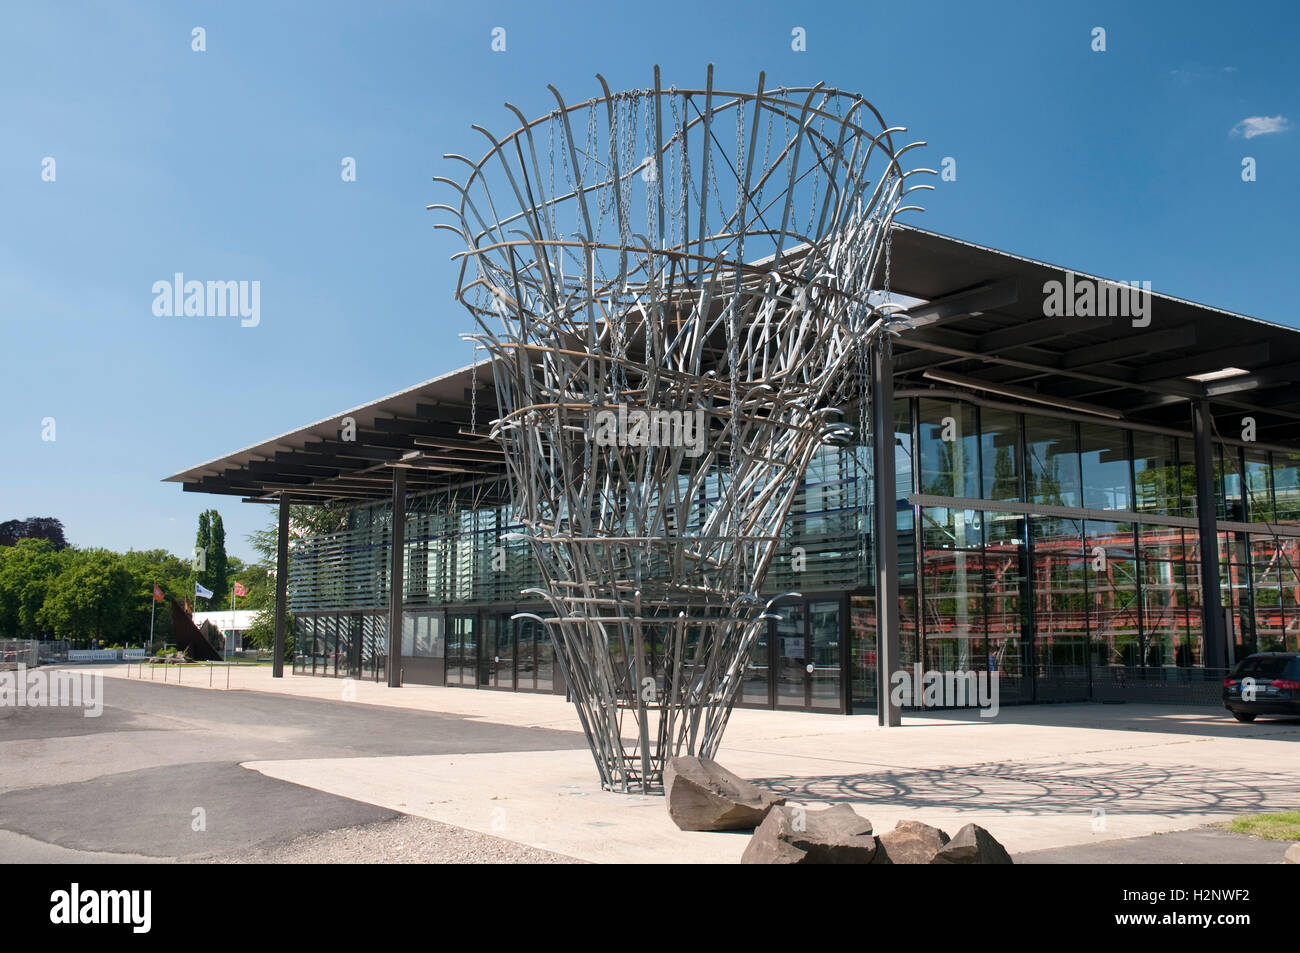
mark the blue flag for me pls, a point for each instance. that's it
(201, 593)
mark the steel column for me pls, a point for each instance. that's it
(885, 541)
(1207, 515)
(396, 579)
(281, 588)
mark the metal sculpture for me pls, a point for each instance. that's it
(188, 638)
(674, 290)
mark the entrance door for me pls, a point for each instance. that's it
(806, 653)
(499, 652)
(462, 650)
(824, 631)
(789, 631)
(757, 686)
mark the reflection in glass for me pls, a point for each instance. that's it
(1166, 634)
(754, 690)
(791, 654)
(863, 638)
(952, 587)
(1270, 624)
(949, 448)
(1155, 464)
(545, 659)
(1052, 459)
(1106, 474)
(1259, 491)
(1111, 574)
(1060, 596)
(824, 636)
(1000, 454)
(1286, 486)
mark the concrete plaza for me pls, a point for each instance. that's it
(1039, 777)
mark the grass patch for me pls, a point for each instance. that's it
(1284, 825)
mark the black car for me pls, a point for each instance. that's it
(1276, 685)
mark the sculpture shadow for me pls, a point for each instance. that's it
(1055, 787)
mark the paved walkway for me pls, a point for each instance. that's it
(159, 776)
(1040, 777)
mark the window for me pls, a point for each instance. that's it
(1259, 489)
(1000, 454)
(1167, 636)
(1052, 459)
(1113, 612)
(1286, 486)
(1060, 594)
(1105, 460)
(1155, 465)
(949, 448)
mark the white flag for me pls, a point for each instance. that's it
(201, 593)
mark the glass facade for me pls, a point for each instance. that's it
(994, 573)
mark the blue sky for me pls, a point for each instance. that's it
(225, 164)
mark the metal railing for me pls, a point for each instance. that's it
(167, 663)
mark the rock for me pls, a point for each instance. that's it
(795, 835)
(972, 845)
(910, 842)
(702, 795)
(1292, 855)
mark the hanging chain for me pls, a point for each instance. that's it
(473, 393)
(817, 169)
(741, 211)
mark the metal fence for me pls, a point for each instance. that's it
(15, 652)
(55, 650)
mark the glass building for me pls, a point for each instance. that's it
(1093, 508)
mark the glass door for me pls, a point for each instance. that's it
(789, 631)
(824, 637)
(462, 650)
(757, 686)
(864, 641)
(499, 652)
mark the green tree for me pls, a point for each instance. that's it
(304, 521)
(171, 574)
(255, 578)
(261, 634)
(91, 598)
(213, 571)
(26, 570)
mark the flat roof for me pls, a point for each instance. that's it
(982, 327)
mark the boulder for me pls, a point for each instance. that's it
(910, 842)
(795, 835)
(1292, 855)
(972, 845)
(702, 795)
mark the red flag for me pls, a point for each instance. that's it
(157, 593)
(240, 590)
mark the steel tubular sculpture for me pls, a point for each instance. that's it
(674, 290)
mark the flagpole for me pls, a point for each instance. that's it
(153, 604)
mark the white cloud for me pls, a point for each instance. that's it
(1253, 126)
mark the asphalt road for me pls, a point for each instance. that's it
(1202, 845)
(158, 776)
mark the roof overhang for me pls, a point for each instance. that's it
(982, 326)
